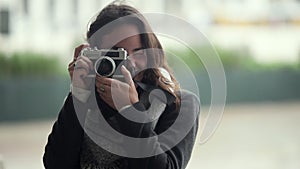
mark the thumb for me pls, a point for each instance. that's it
(127, 76)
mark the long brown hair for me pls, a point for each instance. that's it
(155, 58)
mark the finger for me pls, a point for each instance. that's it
(71, 73)
(81, 64)
(104, 89)
(101, 92)
(78, 50)
(99, 81)
(71, 63)
(104, 80)
(100, 84)
(76, 55)
(104, 94)
(86, 60)
(127, 76)
(71, 67)
(80, 72)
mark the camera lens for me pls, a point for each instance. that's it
(105, 66)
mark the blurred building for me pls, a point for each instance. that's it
(56, 26)
(44, 25)
(255, 11)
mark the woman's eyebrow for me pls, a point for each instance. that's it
(134, 50)
(137, 49)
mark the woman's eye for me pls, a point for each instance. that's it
(138, 54)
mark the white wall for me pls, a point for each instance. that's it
(59, 34)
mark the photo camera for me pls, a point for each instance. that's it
(106, 61)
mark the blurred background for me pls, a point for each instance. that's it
(258, 42)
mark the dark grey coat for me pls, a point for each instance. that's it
(64, 146)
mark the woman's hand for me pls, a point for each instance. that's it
(115, 93)
(79, 68)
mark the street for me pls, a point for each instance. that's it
(250, 136)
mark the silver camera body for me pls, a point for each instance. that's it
(106, 61)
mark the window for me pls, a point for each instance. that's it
(173, 6)
(51, 8)
(75, 7)
(4, 21)
(26, 6)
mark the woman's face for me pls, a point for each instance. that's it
(132, 44)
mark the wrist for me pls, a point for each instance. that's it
(133, 101)
(134, 98)
(80, 93)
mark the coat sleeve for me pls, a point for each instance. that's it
(64, 142)
(176, 157)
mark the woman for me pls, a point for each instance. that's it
(76, 143)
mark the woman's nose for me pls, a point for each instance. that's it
(132, 61)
